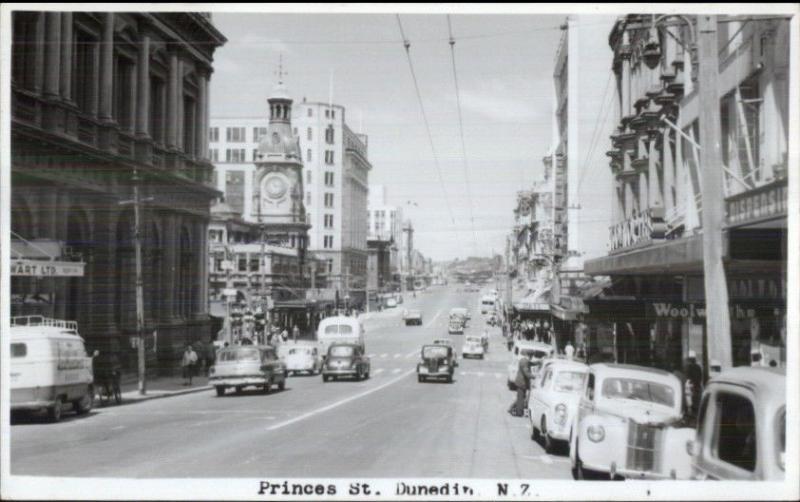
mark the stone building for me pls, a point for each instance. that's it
(97, 98)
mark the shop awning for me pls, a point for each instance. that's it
(538, 301)
(670, 257)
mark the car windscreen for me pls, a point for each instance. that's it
(250, 354)
(488, 302)
(341, 351)
(339, 329)
(638, 390)
(431, 352)
(473, 340)
(299, 351)
(569, 381)
(534, 353)
(19, 350)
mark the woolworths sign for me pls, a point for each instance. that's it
(672, 310)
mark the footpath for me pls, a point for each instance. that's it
(159, 387)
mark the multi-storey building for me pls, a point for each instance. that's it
(101, 102)
(655, 256)
(385, 223)
(335, 182)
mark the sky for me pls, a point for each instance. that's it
(504, 67)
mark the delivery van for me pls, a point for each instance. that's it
(340, 329)
(49, 367)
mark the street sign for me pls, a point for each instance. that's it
(35, 268)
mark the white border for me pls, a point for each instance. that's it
(26, 487)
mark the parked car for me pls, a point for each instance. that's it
(345, 360)
(537, 352)
(301, 357)
(391, 303)
(741, 427)
(339, 329)
(437, 362)
(241, 366)
(473, 347)
(553, 401)
(49, 367)
(627, 425)
(412, 317)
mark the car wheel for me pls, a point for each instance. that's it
(548, 441)
(366, 375)
(581, 473)
(325, 378)
(534, 432)
(282, 385)
(419, 378)
(511, 386)
(220, 390)
(449, 378)
(84, 404)
(54, 412)
(239, 389)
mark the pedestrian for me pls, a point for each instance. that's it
(569, 350)
(284, 335)
(694, 379)
(522, 383)
(295, 333)
(188, 363)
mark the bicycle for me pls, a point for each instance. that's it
(108, 387)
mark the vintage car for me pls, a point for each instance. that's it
(437, 362)
(537, 352)
(345, 360)
(455, 326)
(553, 401)
(628, 425)
(741, 427)
(241, 366)
(390, 303)
(301, 357)
(412, 317)
(449, 343)
(473, 347)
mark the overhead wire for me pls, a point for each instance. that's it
(452, 43)
(407, 46)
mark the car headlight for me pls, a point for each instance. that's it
(211, 370)
(561, 414)
(596, 433)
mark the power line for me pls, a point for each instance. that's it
(461, 130)
(407, 46)
(596, 134)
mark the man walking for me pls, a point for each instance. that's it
(522, 383)
(188, 363)
(694, 380)
(569, 350)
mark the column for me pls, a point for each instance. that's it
(107, 68)
(171, 243)
(179, 107)
(654, 188)
(626, 75)
(172, 107)
(143, 89)
(201, 137)
(202, 300)
(669, 171)
(52, 54)
(206, 114)
(66, 56)
(38, 67)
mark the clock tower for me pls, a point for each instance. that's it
(278, 178)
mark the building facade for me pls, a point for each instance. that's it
(100, 102)
(385, 223)
(655, 256)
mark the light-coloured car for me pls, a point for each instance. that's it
(741, 427)
(391, 303)
(627, 425)
(537, 352)
(473, 347)
(301, 357)
(412, 317)
(553, 401)
(242, 366)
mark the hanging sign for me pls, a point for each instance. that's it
(34, 268)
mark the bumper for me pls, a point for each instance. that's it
(558, 435)
(467, 352)
(37, 405)
(300, 367)
(340, 372)
(627, 473)
(236, 381)
(439, 373)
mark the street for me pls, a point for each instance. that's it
(387, 426)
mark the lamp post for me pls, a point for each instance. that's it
(703, 51)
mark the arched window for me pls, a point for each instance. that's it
(154, 262)
(78, 243)
(185, 274)
(125, 275)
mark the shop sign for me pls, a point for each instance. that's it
(670, 310)
(34, 268)
(757, 287)
(762, 203)
(644, 227)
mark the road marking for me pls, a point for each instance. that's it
(339, 403)
(398, 355)
(412, 353)
(396, 371)
(462, 373)
(117, 427)
(371, 356)
(430, 323)
(378, 371)
(384, 356)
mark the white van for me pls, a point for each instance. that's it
(339, 329)
(49, 367)
(487, 304)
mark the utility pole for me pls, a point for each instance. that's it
(137, 239)
(718, 324)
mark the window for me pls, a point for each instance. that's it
(308, 198)
(213, 134)
(123, 93)
(328, 221)
(24, 47)
(328, 199)
(329, 156)
(308, 134)
(329, 134)
(329, 179)
(158, 109)
(310, 112)
(235, 134)
(735, 431)
(189, 125)
(19, 350)
(213, 154)
(590, 387)
(242, 264)
(308, 176)
(255, 154)
(258, 132)
(84, 76)
(638, 390)
(234, 155)
(308, 155)
(254, 262)
(333, 114)
(328, 243)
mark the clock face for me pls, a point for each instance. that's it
(275, 186)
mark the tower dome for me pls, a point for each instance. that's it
(279, 139)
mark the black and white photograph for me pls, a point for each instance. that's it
(399, 251)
